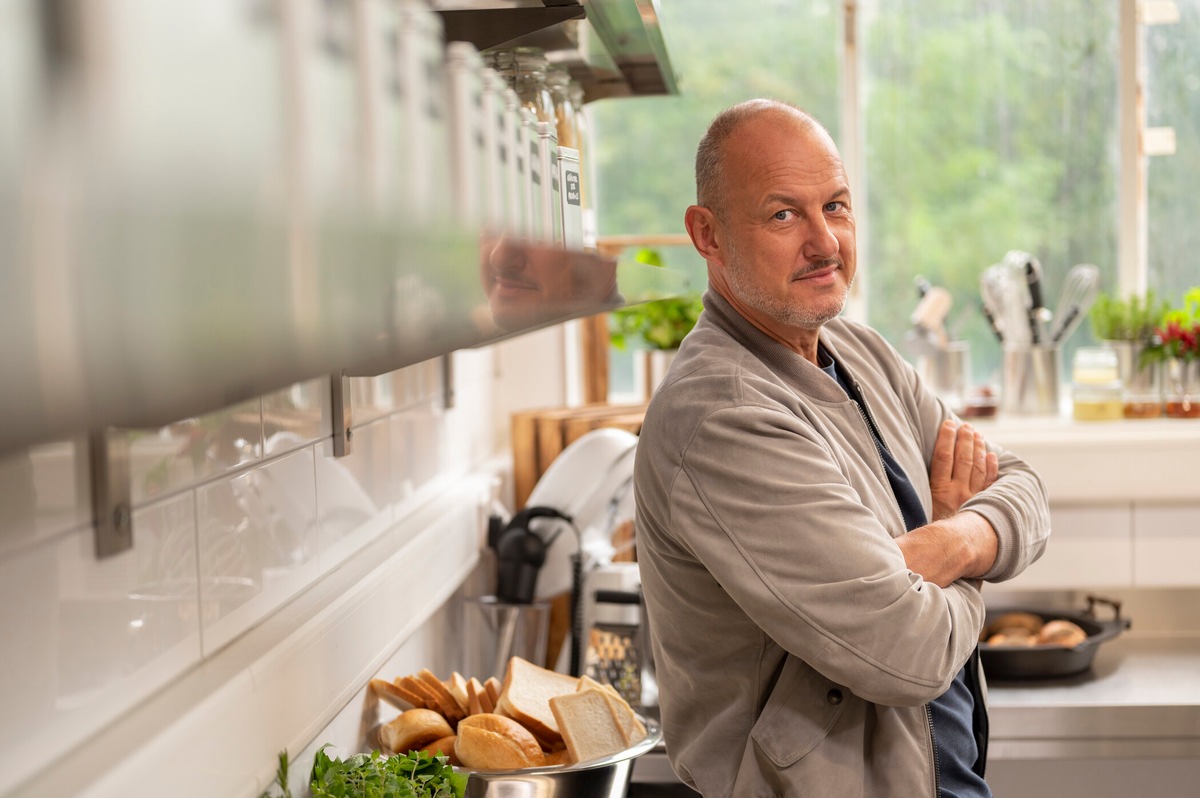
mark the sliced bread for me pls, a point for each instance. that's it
(589, 725)
(525, 697)
(631, 725)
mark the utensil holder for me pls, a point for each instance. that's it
(497, 631)
(1030, 381)
(947, 371)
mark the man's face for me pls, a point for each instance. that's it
(786, 235)
(525, 284)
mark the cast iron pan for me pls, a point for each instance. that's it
(1050, 661)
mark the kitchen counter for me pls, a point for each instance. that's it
(1140, 698)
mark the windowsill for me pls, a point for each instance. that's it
(1105, 461)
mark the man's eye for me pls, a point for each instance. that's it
(833, 207)
(782, 216)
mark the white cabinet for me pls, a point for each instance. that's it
(1090, 546)
(1166, 544)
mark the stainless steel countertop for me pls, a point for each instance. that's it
(1140, 698)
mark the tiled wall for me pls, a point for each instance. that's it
(236, 513)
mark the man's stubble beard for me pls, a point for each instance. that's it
(778, 308)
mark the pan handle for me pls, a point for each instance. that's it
(1092, 601)
(1112, 627)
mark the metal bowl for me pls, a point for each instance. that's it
(600, 778)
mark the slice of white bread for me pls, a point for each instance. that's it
(457, 685)
(397, 696)
(525, 697)
(631, 725)
(589, 725)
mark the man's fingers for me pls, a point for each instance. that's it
(964, 454)
(993, 469)
(979, 467)
(942, 464)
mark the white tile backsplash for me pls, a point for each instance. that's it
(296, 416)
(239, 515)
(258, 544)
(177, 456)
(87, 638)
(44, 491)
(354, 493)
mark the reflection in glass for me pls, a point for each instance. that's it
(529, 284)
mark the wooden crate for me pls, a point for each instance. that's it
(539, 436)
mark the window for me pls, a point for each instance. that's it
(1172, 61)
(988, 127)
(981, 126)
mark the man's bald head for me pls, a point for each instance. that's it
(710, 154)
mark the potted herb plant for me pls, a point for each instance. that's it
(1128, 326)
(656, 329)
(1177, 344)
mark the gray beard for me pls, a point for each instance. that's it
(775, 307)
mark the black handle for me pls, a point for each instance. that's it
(617, 597)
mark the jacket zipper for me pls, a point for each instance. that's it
(873, 428)
(877, 439)
(937, 769)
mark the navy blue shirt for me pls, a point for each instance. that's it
(955, 726)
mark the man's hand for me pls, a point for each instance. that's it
(954, 545)
(961, 467)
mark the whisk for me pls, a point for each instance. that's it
(1080, 288)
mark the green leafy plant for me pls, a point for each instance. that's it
(281, 778)
(1132, 319)
(660, 324)
(415, 775)
(1179, 334)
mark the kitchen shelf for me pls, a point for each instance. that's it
(163, 315)
(614, 48)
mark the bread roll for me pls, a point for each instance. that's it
(443, 746)
(413, 729)
(1012, 637)
(492, 742)
(1062, 633)
(1017, 620)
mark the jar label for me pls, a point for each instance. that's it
(572, 179)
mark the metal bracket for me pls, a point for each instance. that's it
(448, 397)
(112, 509)
(340, 409)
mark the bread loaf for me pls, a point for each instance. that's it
(488, 741)
(413, 729)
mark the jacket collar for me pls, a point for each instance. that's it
(796, 371)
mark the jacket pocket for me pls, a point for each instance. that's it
(799, 714)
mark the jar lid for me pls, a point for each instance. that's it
(520, 60)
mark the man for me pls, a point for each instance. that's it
(812, 522)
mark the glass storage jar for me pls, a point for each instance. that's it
(524, 69)
(1182, 391)
(558, 80)
(1096, 385)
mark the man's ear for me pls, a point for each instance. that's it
(701, 225)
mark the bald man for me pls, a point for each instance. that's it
(813, 524)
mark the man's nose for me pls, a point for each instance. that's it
(820, 243)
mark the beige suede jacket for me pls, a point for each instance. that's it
(795, 651)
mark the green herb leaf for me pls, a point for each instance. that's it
(415, 775)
